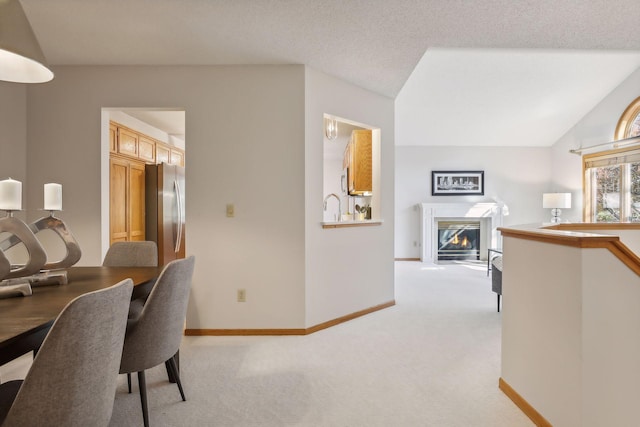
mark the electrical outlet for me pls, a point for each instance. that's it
(242, 295)
(231, 210)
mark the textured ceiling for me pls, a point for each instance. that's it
(375, 44)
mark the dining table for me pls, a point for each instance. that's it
(25, 321)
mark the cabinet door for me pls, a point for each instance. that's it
(118, 195)
(360, 163)
(136, 201)
(113, 138)
(162, 154)
(126, 195)
(146, 150)
(127, 142)
(176, 157)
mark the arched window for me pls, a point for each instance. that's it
(629, 123)
(612, 178)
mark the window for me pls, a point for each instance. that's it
(612, 178)
(629, 123)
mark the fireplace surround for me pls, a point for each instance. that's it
(489, 216)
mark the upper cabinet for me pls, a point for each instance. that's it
(146, 149)
(132, 144)
(127, 142)
(113, 137)
(162, 154)
(358, 162)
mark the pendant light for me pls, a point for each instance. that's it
(21, 59)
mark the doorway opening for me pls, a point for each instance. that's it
(136, 142)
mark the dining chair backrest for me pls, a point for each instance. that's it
(72, 380)
(132, 254)
(155, 336)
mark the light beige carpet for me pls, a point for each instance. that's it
(431, 360)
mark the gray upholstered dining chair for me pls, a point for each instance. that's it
(132, 254)
(154, 337)
(72, 380)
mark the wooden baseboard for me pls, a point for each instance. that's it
(307, 331)
(524, 406)
(407, 259)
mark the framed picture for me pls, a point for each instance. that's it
(457, 183)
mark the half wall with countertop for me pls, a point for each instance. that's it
(570, 347)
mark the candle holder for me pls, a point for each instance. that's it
(20, 232)
(58, 226)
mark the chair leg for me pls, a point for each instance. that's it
(142, 385)
(176, 358)
(498, 303)
(174, 370)
(169, 372)
(129, 381)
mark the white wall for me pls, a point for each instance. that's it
(13, 138)
(597, 127)
(516, 176)
(348, 269)
(569, 341)
(251, 143)
(246, 146)
(542, 327)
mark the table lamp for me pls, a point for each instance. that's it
(556, 202)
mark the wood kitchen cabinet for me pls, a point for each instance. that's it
(359, 164)
(130, 150)
(113, 138)
(146, 149)
(126, 195)
(127, 142)
(162, 153)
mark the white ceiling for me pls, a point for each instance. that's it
(170, 121)
(375, 44)
(504, 97)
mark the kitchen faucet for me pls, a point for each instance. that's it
(339, 204)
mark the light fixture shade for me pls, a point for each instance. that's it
(331, 128)
(556, 200)
(21, 59)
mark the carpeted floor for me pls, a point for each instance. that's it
(431, 360)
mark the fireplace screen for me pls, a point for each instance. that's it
(458, 240)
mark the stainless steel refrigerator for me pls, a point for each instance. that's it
(165, 211)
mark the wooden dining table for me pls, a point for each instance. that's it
(25, 321)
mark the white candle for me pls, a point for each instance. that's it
(52, 197)
(10, 195)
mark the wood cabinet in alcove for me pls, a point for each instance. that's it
(358, 161)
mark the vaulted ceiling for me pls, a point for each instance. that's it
(377, 44)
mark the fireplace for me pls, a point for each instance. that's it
(488, 215)
(458, 240)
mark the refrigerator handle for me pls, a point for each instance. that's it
(180, 219)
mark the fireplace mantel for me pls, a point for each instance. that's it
(490, 216)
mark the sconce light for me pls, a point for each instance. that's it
(556, 202)
(331, 129)
(21, 59)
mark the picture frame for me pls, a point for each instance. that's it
(457, 183)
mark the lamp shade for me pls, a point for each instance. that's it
(21, 59)
(556, 200)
